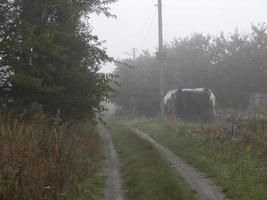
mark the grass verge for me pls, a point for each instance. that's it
(238, 165)
(39, 161)
(146, 175)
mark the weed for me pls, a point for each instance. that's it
(235, 162)
(146, 175)
(39, 161)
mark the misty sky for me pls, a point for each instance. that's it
(136, 23)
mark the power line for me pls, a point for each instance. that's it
(150, 25)
(142, 20)
(133, 53)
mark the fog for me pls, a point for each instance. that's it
(191, 124)
(136, 23)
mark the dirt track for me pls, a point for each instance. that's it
(113, 189)
(204, 187)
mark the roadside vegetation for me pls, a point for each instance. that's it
(39, 161)
(232, 65)
(146, 175)
(237, 162)
(51, 95)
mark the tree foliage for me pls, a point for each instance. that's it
(49, 56)
(231, 66)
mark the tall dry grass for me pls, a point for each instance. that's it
(39, 161)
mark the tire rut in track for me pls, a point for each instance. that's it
(204, 187)
(111, 171)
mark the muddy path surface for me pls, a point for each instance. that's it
(205, 188)
(111, 170)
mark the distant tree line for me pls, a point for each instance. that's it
(50, 58)
(231, 66)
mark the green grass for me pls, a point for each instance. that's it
(146, 175)
(238, 165)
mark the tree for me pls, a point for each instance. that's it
(232, 67)
(53, 56)
(139, 89)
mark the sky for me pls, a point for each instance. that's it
(136, 25)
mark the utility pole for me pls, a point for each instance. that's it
(161, 55)
(133, 54)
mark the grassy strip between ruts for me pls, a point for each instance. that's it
(237, 164)
(146, 175)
